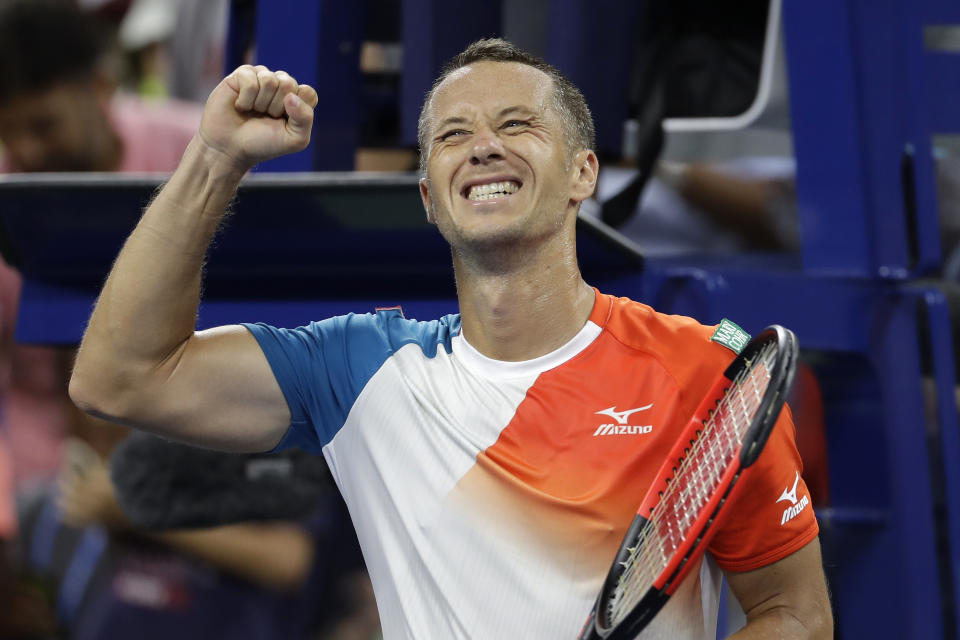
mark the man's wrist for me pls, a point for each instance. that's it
(205, 181)
(220, 163)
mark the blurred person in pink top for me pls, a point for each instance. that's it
(59, 108)
(60, 111)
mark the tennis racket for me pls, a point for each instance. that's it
(709, 461)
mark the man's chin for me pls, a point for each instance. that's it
(485, 238)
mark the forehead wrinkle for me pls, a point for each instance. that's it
(451, 120)
(539, 80)
(521, 110)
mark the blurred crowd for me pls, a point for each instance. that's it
(118, 86)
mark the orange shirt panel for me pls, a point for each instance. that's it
(567, 461)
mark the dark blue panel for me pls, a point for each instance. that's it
(920, 190)
(882, 490)
(51, 314)
(895, 354)
(293, 244)
(938, 11)
(827, 138)
(861, 89)
(942, 91)
(946, 429)
(593, 44)
(319, 44)
(880, 84)
(433, 32)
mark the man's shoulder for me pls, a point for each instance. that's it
(640, 325)
(399, 330)
(386, 330)
(674, 340)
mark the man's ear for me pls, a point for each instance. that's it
(427, 200)
(584, 175)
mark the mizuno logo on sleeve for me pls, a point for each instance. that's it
(790, 495)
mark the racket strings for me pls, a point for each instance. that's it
(694, 482)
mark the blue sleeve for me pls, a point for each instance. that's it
(322, 367)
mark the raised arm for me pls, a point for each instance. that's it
(140, 361)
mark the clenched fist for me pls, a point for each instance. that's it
(256, 114)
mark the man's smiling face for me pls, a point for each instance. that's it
(498, 171)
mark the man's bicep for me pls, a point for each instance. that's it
(223, 393)
(789, 595)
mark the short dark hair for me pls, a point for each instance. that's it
(44, 43)
(569, 102)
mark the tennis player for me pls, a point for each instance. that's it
(491, 459)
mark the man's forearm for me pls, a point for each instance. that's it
(781, 624)
(147, 309)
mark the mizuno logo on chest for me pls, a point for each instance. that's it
(622, 416)
(622, 429)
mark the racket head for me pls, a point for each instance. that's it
(773, 352)
(783, 370)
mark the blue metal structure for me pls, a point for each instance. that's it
(866, 97)
(433, 32)
(882, 539)
(865, 101)
(318, 43)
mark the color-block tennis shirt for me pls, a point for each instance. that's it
(490, 497)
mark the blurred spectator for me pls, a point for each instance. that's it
(197, 48)
(8, 522)
(143, 34)
(59, 111)
(747, 204)
(717, 189)
(108, 579)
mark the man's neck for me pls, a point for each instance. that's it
(525, 311)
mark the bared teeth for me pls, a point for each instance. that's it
(492, 190)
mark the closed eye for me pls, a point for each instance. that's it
(452, 134)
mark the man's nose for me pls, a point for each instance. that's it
(487, 147)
